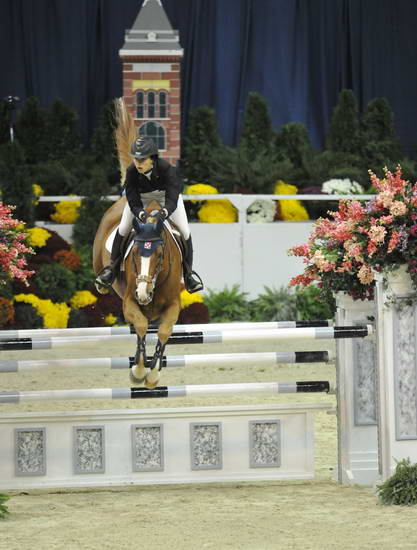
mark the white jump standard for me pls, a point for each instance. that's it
(112, 331)
(212, 337)
(215, 359)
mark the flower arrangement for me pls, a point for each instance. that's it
(12, 248)
(261, 211)
(342, 187)
(344, 253)
(110, 319)
(37, 236)
(200, 189)
(82, 298)
(290, 210)
(53, 315)
(217, 211)
(66, 211)
(37, 191)
(68, 259)
(6, 312)
(187, 299)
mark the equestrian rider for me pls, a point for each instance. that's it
(147, 178)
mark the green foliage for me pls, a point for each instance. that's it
(54, 178)
(326, 165)
(3, 507)
(32, 131)
(85, 274)
(293, 142)
(379, 138)
(274, 305)
(401, 487)
(201, 143)
(63, 137)
(227, 305)
(103, 145)
(15, 182)
(257, 133)
(4, 123)
(55, 282)
(85, 228)
(235, 171)
(344, 134)
(314, 304)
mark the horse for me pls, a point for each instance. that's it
(149, 286)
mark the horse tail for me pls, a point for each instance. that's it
(124, 135)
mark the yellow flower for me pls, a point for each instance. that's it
(37, 236)
(37, 190)
(82, 298)
(217, 211)
(282, 188)
(201, 189)
(110, 319)
(290, 210)
(53, 315)
(188, 299)
(66, 211)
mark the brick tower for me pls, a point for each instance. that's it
(151, 57)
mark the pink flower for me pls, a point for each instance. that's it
(398, 208)
(377, 234)
(394, 240)
(365, 274)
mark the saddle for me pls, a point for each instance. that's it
(129, 239)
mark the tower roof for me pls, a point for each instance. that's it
(151, 33)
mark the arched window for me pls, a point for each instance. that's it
(140, 104)
(155, 131)
(151, 105)
(162, 105)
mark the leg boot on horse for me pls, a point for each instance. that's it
(192, 280)
(108, 274)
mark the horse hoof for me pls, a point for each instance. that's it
(152, 379)
(135, 380)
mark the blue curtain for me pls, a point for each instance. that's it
(297, 53)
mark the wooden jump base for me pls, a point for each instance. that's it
(225, 336)
(150, 446)
(213, 360)
(315, 386)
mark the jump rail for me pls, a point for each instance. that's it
(111, 331)
(166, 391)
(216, 359)
(230, 336)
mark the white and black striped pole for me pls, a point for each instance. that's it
(212, 360)
(316, 386)
(124, 330)
(212, 337)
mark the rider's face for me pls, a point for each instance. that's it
(143, 165)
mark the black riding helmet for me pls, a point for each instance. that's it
(143, 147)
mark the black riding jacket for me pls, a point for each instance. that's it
(163, 178)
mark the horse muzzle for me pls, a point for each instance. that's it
(144, 290)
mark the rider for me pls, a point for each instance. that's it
(147, 178)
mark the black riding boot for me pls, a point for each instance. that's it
(192, 281)
(108, 274)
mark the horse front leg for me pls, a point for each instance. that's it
(168, 319)
(135, 317)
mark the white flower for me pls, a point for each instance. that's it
(342, 187)
(261, 211)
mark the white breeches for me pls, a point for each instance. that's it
(179, 217)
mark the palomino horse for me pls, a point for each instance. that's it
(149, 286)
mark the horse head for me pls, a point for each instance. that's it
(148, 255)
